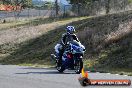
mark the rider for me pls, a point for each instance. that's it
(68, 36)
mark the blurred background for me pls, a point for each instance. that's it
(60, 8)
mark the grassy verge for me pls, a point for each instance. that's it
(13, 24)
(90, 65)
(35, 22)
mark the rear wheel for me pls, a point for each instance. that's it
(78, 66)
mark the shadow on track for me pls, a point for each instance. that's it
(39, 68)
(47, 72)
(51, 70)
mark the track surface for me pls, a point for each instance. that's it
(12, 76)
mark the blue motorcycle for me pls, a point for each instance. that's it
(72, 57)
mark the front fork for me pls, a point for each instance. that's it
(77, 60)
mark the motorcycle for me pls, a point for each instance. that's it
(71, 58)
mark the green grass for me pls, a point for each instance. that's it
(90, 65)
(35, 22)
(13, 24)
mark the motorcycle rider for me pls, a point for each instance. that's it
(68, 36)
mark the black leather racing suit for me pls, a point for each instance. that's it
(66, 37)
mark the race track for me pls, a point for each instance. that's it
(12, 76)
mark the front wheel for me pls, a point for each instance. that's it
(59, 66)
(78, 66)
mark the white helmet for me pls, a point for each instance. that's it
(70, 29)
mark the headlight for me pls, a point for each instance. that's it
(80, 50)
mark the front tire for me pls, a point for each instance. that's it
(59, 66)
(79, 66)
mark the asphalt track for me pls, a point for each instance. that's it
(12, 76)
